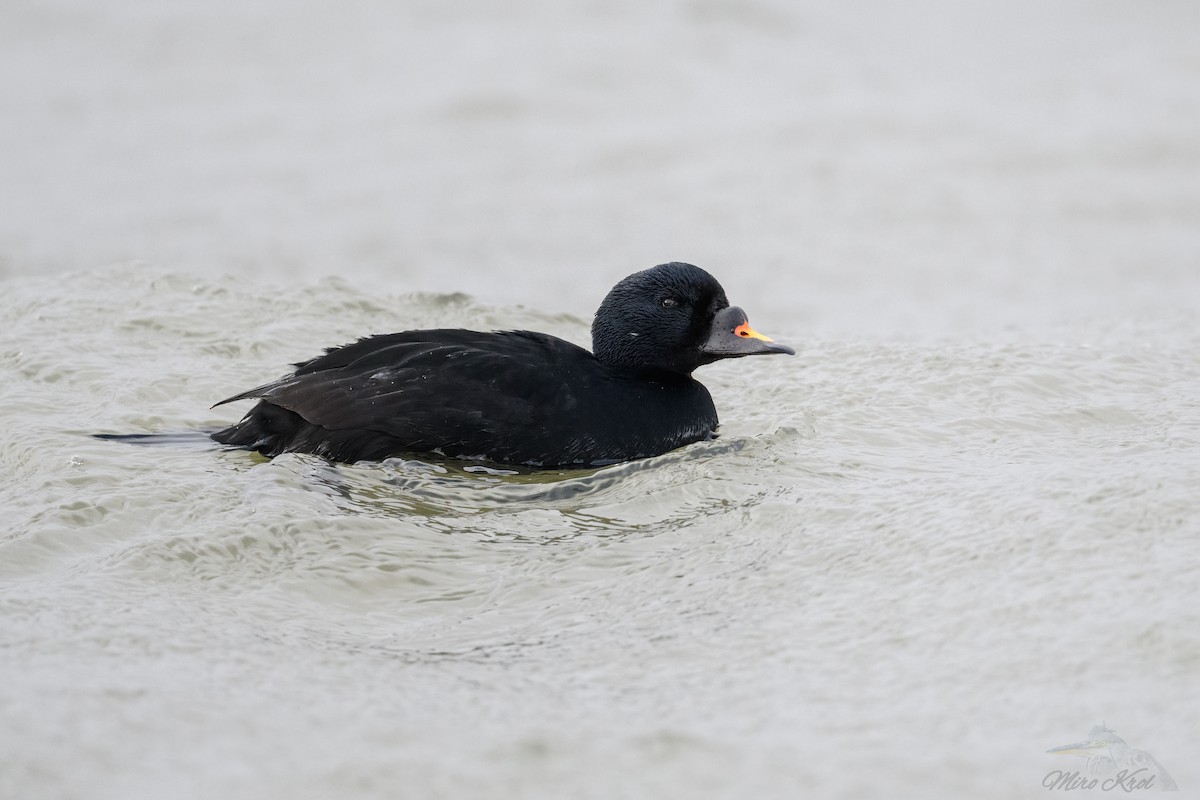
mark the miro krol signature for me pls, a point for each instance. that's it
(1111, 764)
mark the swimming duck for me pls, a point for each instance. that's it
(516, 397)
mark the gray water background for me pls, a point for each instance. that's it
(959, 528)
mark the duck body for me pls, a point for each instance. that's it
(515, 397)
(512, 397)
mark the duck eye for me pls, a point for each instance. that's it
(668, 302)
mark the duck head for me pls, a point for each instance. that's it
(673, 318)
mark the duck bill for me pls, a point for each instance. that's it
(731, 336)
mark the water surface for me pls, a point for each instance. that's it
(959, 528)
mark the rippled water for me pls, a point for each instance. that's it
(922, 558)
(959, 528)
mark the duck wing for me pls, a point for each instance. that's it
(465, 393)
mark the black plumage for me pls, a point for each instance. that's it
(516, 397)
